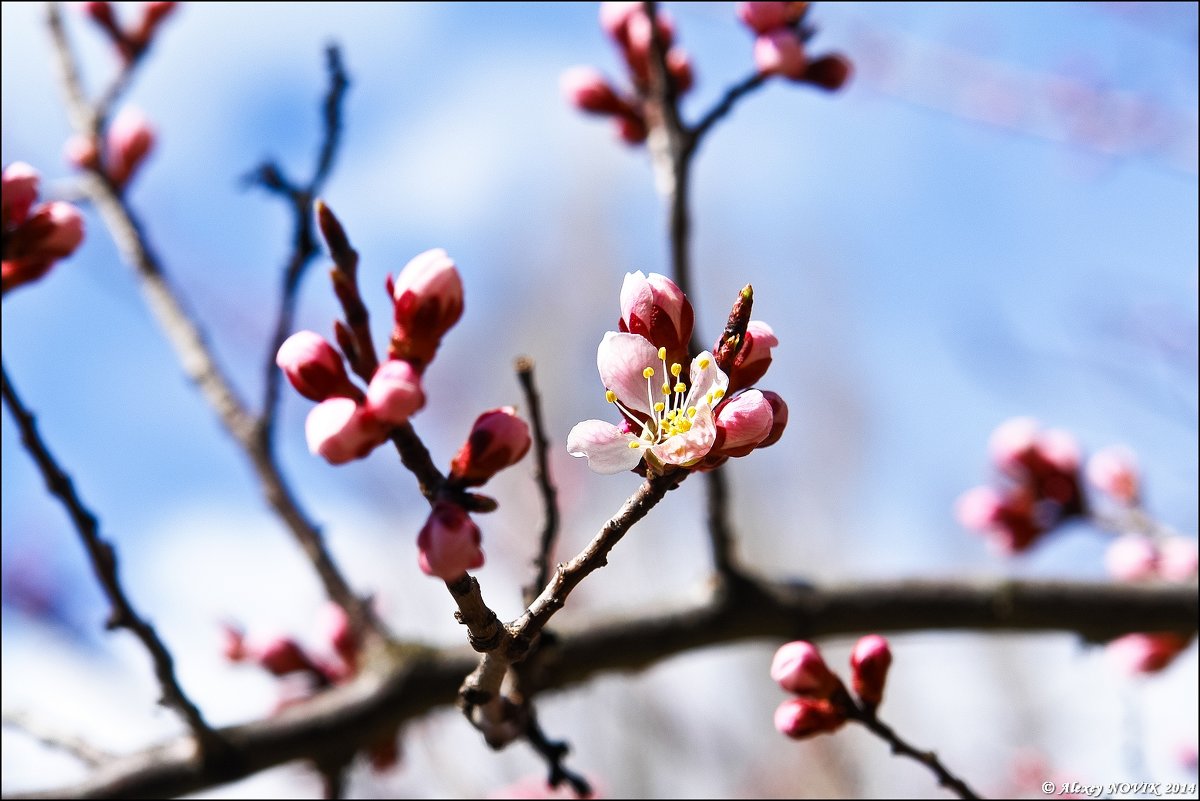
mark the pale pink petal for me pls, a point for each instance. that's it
(705, 377)
(606, 447)
(621, 359)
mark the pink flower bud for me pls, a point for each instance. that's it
(779, 412)
(336, 630)
(742, 423)
(130, 139)
(799, 718)
(614, 17)
(586, 89)
(639, 34)
(655, 307)
(498, 440)
(679, 66)
(780, 52)
(1145, 653)
(799, 668)
(281, 655)
(829, 72)
(1060, 450)
(1132, 557)
(340, 431)
(1177, 559)
(869, 663)
(428, 297)
(81, 152)
(765, 17)
(1114, 471)
(18, 193)
(631, 128)
(754, 356)
(313, 367)
(394, 393)
(978, 508)
(449, 543)
(1008, 520)
(1012, 443)
(53, 232)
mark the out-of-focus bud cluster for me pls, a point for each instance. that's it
(303, 673)
(129, 140)
(34, 236)
(130, 42)
(1038, 488)
(822, 703)
(780, 45)
(627, 24)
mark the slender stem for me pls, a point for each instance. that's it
(192, 348)
(103, 558)
(549, 493)
(900, 746)
(723, 107)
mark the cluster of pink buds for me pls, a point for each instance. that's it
(129, 140)
(131, 43)
(34, 237)
(631, 30)
(449, 543)
(348, 423)
(283, 657)
(779, 45)
(1039, 486)
(671, 416)
(822, 703)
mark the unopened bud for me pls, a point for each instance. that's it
(130, 139)
(754, 356)
(869, 663)
(313, 367)
(829, 72)
(1114, 471)
(449, 543)
(743, 422)
(498, 440)
(428, 297)
(586, 89)
(780, 52)
(52, 232)
(339, 430)
(19, 192)
(799, 668)
(1132, 557)
(282, 655)
(799, 718)
(394, 393)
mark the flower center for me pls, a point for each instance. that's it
(672, 408)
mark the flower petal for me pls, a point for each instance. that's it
(693, 445)
(606, 447)
(621, 358)
(705, 377)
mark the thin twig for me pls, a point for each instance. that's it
(304, 244)
(70, 744)
(549, 493)
(554, 752)
(103, 558)
(190, 343)
(425, 679)
(723, 107)
(899, 746)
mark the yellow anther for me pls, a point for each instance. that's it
(666, 389)
(681, 387)
(676, 369)
(648, 372)
(610, 396)
(685, 424)
(704, 363)
(671, 415)
(719, 393)
(658, 407)
(633, 443)
(691, 412)
(709, 398)
(662, 354)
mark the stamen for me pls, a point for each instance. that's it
(658, 407)
(648, 372)
(718, 393)
(610, 396)
(662, 354)
(680, 387)
(633, 443)
(691, 412)
(704, 363)
(676, 369)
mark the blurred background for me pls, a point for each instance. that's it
(997, 217)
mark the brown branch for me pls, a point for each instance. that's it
(304, 244)
(419, 680)
(549, 493)
(196, 357)
(70, 744)
(103, 558)
(723, 107)
(902, 748)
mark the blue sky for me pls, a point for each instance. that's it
(997, 218)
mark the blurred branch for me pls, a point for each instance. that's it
(192, 348)
(103, 558)
(415, 681)
(550, 525)
(304, 244)
(71, 744)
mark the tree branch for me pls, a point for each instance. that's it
(549, 493)
(418, 680)
(103, 558)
